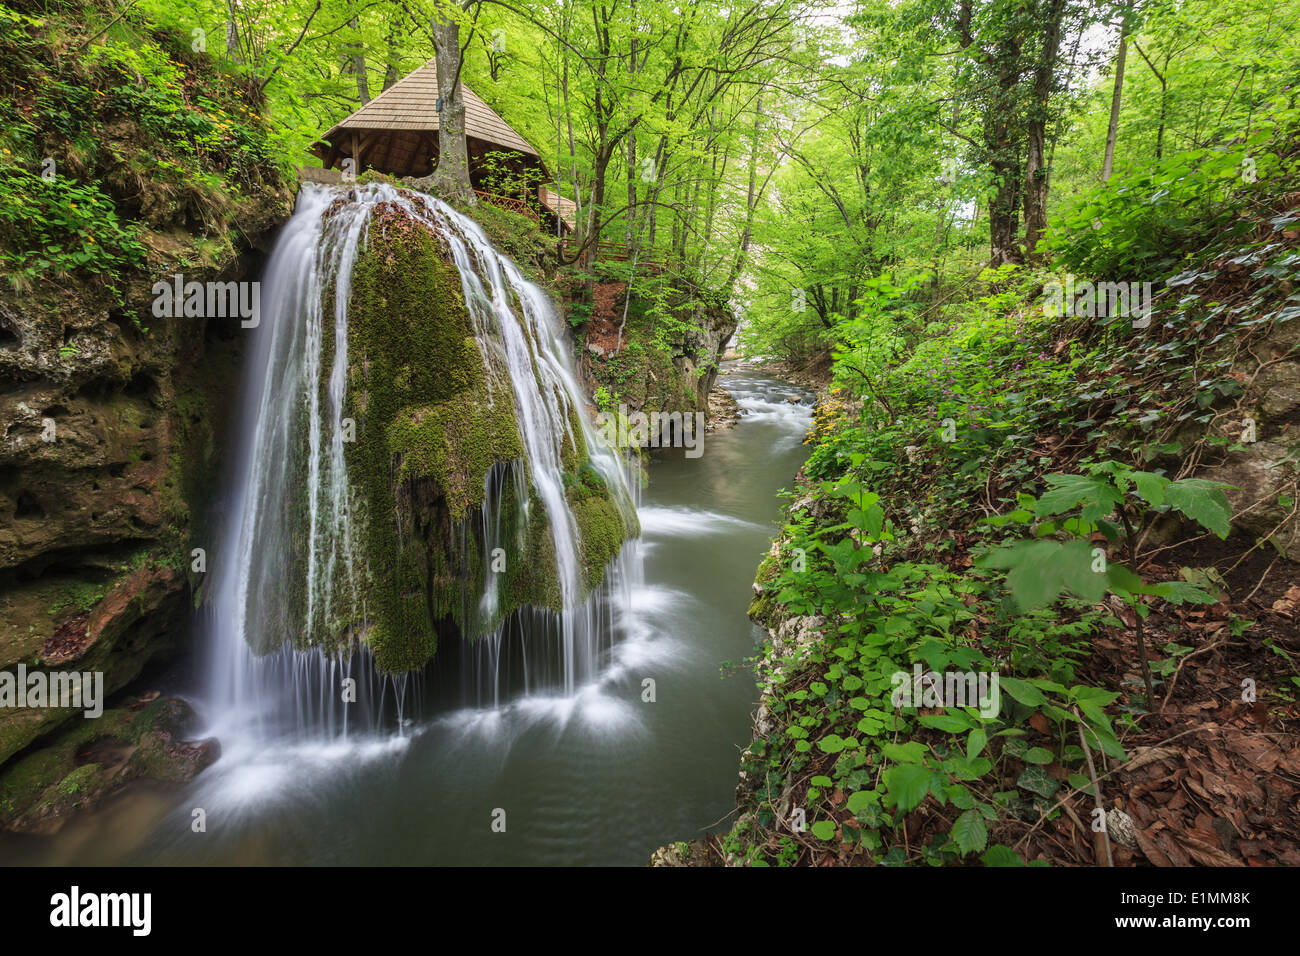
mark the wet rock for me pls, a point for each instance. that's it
(93, 759)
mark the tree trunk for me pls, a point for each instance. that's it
(751, 200)
(451, 178)
(1036, 171)
(390, 64)
(232, 41)
(234, 48)
(359, 67)
(1002, 224)
(1112, 131)
(1164, 94)
(1004, 204)
(629, 218)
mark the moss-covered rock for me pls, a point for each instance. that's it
(454, 444)
(92, 759)
(763, 606)
(433, 423)
(665, 357)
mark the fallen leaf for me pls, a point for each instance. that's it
(1208, 855)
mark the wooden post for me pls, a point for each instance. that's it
(356, 153)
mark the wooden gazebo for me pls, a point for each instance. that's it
(397, 133)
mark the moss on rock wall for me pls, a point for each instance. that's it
(91, 759)
(432, 425)
(113, 417)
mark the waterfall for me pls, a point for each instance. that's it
(288, 562)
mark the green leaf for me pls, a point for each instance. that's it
(976, 743)
(911, 752)
(869, 725)
(1040, 570)
(1039, 755)
(1023, 691)
(946, 722)
(831, 744)
(824, 830)
(1000, 855)
(1182, 592)
(1035, 780)
(1204, 502)
(859, 800)
(1122, 581)
(1068, 492)
(1151, 487)
(907, 785)
(969, 832)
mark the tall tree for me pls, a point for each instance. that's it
(1112, 128)
(451, 177)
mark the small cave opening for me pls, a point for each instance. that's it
(26, 506)
(8, 337)
(123, 321)
(108, 752)
(140, 386)
(97, 388)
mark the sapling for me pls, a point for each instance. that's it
(1038, 571)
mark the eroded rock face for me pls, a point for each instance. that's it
(111, 425)
(1264, 472)
(644, 372)
(92, 759)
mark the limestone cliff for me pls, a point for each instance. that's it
(111, 418)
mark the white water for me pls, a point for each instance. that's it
(290, 552)
(596, 777)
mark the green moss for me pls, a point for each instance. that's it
(455, 444)
(51, 780)
(602, 530)
(432, 425)
(642, 374)
(413, 364)
(516, 236)
(80, 594)
(764, 602)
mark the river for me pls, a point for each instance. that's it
(601, 777)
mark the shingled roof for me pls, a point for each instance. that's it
(397, 133)
(410, 106)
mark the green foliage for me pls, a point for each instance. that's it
(500, 173)
(1140, 225)
(108, 131)
(51, 227)
(1040, 570)
(836, 710)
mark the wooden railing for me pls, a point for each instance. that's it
(650, 260)
(610, 251)
(509, 203)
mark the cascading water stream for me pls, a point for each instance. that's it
(290, 558)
